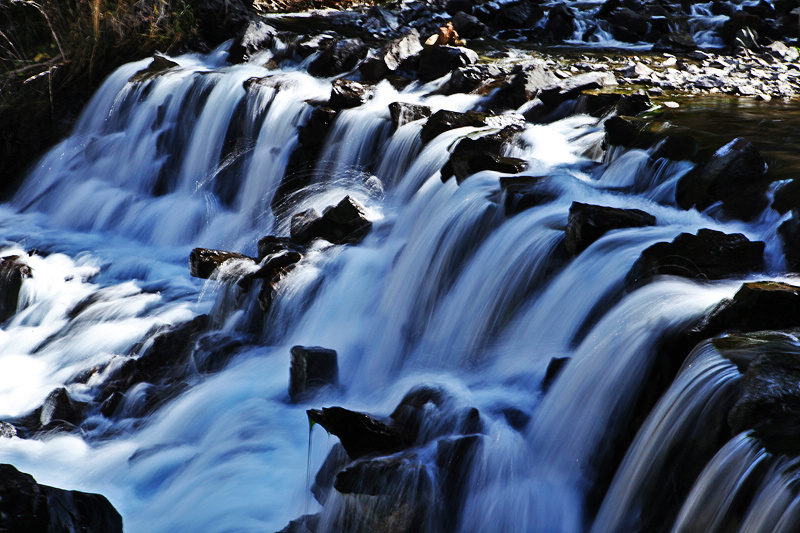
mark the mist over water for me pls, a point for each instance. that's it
(446, 290)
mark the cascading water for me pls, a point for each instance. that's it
(446, 291)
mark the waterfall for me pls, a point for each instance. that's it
(447, 291)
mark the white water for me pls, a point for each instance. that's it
(445, 290)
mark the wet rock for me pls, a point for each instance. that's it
(312, 367)
(344, 223)
(426, 413)
(770, 403)
(463, 164)
(454, 458)
(437, 61)
(336, 460)
(162, 357)
(560, 23)
(626, 24)
(676, 41)
(587, 223)
(554, 369)
(341, 56)
(305, 524)
(60, 411)
(789, 232)
(359, 433)
(305, 46)
(277, 263)
(756, 306)
(27, 506)
(203, 262)
(213, 351)
(471, 78)
(569, 88)
(444, 120)
(13, 270)
(452, 7)
(380, 20)
(524, 86)
(403, 113)
(468, 26)
(517, 14)
(708, 255)
(159, 65)
(381, 476)
(270, 245)
(347, 93)
(524, 192)
(391, 57)
(736, 176)
(256, 36)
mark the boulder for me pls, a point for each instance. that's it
(524, 192)
(203, 262)
(403, 113)
(769, 404)
(359, 433)
(708, 255)
(789, 232)
(312, 367)
(517, 14)
(211, 352)
(454, 458)
(344, 223)
(308, 523)
(27, 506)
(380, 476)
(257, 35)
(427, 412)
(437, 61)
(626, 24)
(444, 120)
(569, 88)
(271, 244)
(390, 58)
(305, 46)
(347, 93)
(676, 41)
(560, 23)
(468, 26)
(471, 78)
(736, 175)
(13, 270)
(341, 56)
(60, 411)
(587, 223)
(524, 86)
(463, 164)
(159, 65)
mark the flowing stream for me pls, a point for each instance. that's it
(445, 290)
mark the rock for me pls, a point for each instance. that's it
(463, 164)
(437, 61)
(587, 223)
(336, 460)
(159, 65)
(524, 86)
(782, 52)
(770, 403)
(312, 367)
(7, 431)
(524, 192)
(471, 78)
(517, 14)
(627, 25)
(554, 369)
(380, 20)
(308, 523)
(444, 120)
(560, 22)
(402, 113)
(27, 506)
(426, 413)
(59, 411)
(380, 476)
(569, 88)
(736, 176)
(756, 306)
(676, 41)
(468, 26)
(306, 46)
(391, 56)
(212, 351)
(453, 7)
(276, 264)
(13, 271)
(344, 223)
(454, 458)
(218, 20)
(789, 232)
(359, 433)
(708, 255)
(347, 93)
(203, 262)
(256, 36)
(271, 245)
(341, 56)
(302, 225)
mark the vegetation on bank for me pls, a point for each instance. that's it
(54, 54)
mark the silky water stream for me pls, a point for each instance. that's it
(446, 290)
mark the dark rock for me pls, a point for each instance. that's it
(569, 88)
(787, 197)
(13, 270)
(770, 403)
(453, 7)
(403, 113)
(468, 26)
(523, 86)
(676, 41)
(203, 262)
(26, 506)
(344, 223)
(308, 523)
(347, 93)
(426, 413)
(756, 306)
(312, 367)
(587, 223)
(336, 460)
(789, 232)
(437, 61)
(341, 56)
(159, 65)
(163, 356)
(380, 476)
(518, 14)
(271, 244)
(359, 433)
(463, 164)
(628, 132)
(560, 22)
(391, 56)
(454, 458)
(444, 120)
(218, 20)
(708, 255)
(212, 351)
(471, 78)
(736, 23)
(256, 36)
(628, 25)
(554, 368)
(277, 263)
(60, 411)
(306, 46)
(735, 175)
(524, 192)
